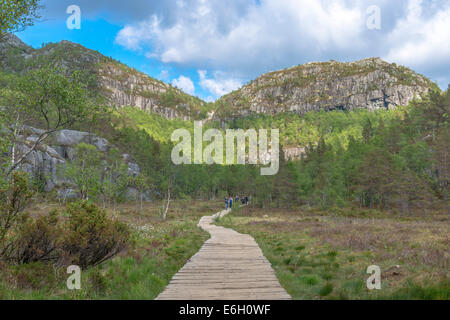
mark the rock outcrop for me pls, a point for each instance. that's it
(128, 87)
(370, 83)
(293, 153)
(119, 84)
(48, 160)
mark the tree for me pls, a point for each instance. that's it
(13, 200)
(441, 147)
(16, 15)
(368, 131)
(116, 179)
(374, 182)
(51, 99)
(141, 184)
(285, 184)
(85, 171)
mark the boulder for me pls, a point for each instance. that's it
(69, 138)
(48, 162)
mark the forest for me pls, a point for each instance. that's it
(351, 168)
(389, 159)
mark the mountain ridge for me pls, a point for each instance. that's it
(119, 84)
(368, 83)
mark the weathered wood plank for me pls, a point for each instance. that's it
(229, 266)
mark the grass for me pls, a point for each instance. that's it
(324, 255)
(160, 249)
(315, 254)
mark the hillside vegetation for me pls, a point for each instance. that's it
(118, 84)
(363, 138)
(366, 84)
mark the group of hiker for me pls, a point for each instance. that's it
(229, 201)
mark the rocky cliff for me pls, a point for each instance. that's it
(370, 83)
(49, 159)
(119, 84)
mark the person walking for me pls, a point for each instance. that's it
(226, 203)
(231, 202)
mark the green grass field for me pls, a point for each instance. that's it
(319, 255)
(316, 255)
(159, 250)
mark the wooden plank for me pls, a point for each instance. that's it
(229, 266)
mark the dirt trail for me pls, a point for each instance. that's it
(229, 266)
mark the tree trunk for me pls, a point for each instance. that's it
(14, 166)
(167, 206)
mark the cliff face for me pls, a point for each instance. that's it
(370, 83)
(49, 159)
(126, 87)
(120, 85)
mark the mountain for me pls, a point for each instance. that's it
(385, 159)
(369, 83)
(118, 83)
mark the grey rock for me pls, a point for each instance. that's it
(48, 162)
(44, 164)
(133, 169)
(294, 153)
(70, 137)
(101, 144)
(371, 84)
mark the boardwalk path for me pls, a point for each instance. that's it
(229, 266)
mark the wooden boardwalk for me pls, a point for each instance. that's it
(229, 266)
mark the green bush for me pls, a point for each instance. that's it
(92, 237)
(38, 240)
(36, 276)
(87, 238)
(326, 290)
(14, 197)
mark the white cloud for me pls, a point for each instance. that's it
(420, 41)
(266, 34)
(248, 38)
(219, 85)
(131, 37)
(185, 84)
(163, 75)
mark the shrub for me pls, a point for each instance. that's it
(36, 276)
(14, 198)
(92, 237)
(326, 290)
(97, 281)
(38, 240)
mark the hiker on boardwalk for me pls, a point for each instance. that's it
(237, 199)
(226, 203)
(231, 202)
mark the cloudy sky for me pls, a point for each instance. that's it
(211, 47)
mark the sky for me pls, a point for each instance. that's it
(209, 48)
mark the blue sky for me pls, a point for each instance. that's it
(211, 47)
